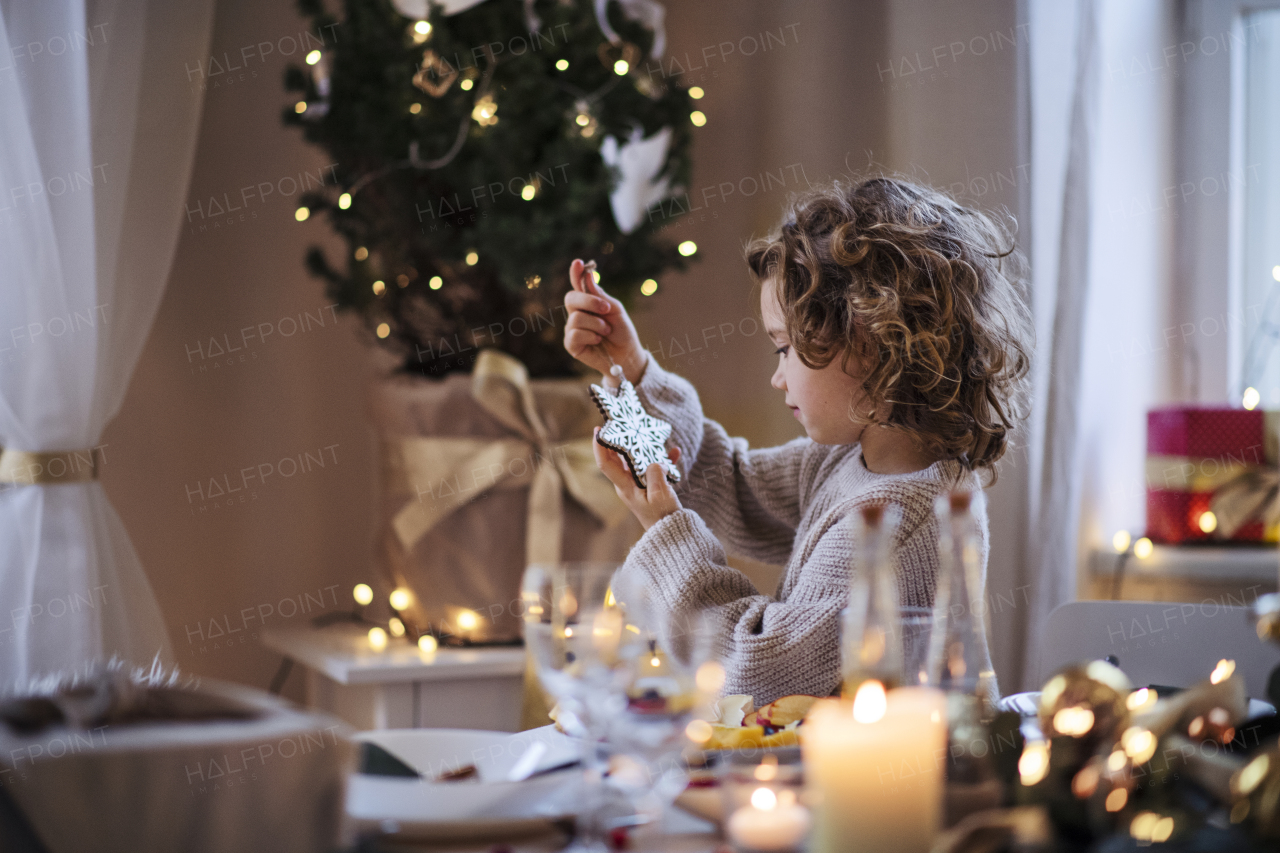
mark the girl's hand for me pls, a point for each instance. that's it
(598, 328)
(649, 505)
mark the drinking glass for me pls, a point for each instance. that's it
(574, 631)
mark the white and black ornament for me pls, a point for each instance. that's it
(628, 429)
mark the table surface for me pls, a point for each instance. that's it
(342, 653)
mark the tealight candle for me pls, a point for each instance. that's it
(877, 768)
(770, 823)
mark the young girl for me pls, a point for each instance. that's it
(903, 346)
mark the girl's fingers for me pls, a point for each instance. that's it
(575, 274)
(655, 480)
(589, 323)
(578, 340)
(613, 467)
(673, 453)
(576, 301)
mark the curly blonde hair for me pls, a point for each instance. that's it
(924, 294)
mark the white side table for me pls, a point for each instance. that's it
(402, 687)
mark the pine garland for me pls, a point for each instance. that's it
(417, 224)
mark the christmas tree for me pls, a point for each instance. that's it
(480, 147)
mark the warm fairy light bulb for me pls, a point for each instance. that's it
(344, 201)
(415, 108)
(300, 107)
(532, 281)
(363, 594)
(1142, 549)
(427, 643)
(302, 213)
(383, 330)
(698, 118)
(1117, 799)
(1121, 541)
(1076, 721)
(1275, 272)
(696, 92)
(379, 287)
(1251, 398)
(435, 283)
(583, 119)
(655, 661)
(1034, 763)
(1222, 671)
(377, 639)
(1141, 698)
(400, 598)
(1139, 744)
(422, 28)
(313, 57)
(563, 65)
(595, 276)
(528, 192)
(361, 253)
(621, 67)
(687, 248)
(395, 626)
(466, 85)
(649, 287)
(468, 620)
(1208, 522)
(870, 702)
(472, 259)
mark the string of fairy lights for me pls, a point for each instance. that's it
(434, 77)
(465, 622)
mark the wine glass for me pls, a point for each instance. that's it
(574, 631)
(662, 694)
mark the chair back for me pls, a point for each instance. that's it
(1159, 642)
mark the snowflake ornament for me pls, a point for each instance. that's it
(633, 432)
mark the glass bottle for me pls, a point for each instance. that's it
(872, 645)
(956, 659)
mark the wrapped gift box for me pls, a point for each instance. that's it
(1194, 454)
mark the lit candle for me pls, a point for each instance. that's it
(771, 823)
(877, 770)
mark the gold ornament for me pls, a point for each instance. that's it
(435, 75)
(1086, 702)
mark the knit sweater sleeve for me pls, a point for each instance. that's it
(750, 498)
(770, 648)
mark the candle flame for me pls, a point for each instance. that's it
(869, 703)
(764, 799)
(1222, 671)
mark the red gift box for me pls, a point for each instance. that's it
(1193, 453)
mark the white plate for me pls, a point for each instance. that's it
(488, 808)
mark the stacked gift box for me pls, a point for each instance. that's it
(1211, 475)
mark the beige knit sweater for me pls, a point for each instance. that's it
(787, 506)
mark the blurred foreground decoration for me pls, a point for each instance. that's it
(480, 147)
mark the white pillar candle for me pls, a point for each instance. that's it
(877, 768)
(770, 823)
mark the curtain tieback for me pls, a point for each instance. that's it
(41, 468)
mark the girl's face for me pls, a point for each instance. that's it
(820, 399)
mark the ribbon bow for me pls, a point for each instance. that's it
(500, 384)
(1251, 494)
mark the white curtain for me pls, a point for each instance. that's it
(1101, 116)
(97, 136)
